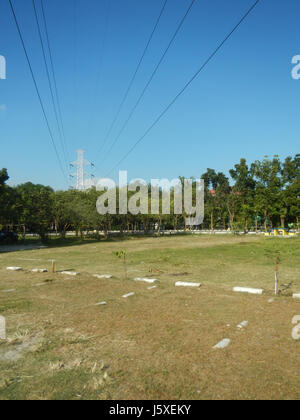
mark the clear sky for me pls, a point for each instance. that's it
(244, 104)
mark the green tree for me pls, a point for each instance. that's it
(8, 201)
(36, 208)
(290, 195)
(244, 191)
(267, 174)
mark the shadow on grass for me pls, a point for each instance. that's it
(65, 242)
(30, 244)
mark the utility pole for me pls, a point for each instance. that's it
(82, 183)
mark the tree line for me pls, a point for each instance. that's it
(265, 194)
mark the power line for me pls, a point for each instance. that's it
(99, 73)
(134, 75)
(49, 79)
(75, 62)
(36, 86)
(186, 85)
(54, 77)
(151, 77)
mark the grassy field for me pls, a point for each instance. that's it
(157, 344)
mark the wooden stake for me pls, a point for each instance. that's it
(276, 283)
(125, 268)
(276, 276)
(53, 266)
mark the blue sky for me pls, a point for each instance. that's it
(244, 104)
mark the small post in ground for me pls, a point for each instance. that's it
(276, 276)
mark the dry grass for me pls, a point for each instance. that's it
(158, 343)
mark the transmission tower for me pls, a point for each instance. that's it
(84, 180)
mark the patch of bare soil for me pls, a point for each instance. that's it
(19, 347)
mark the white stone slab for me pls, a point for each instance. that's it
(103, 276)
(222, 344)
(14, 268)
(145, 280)
(248, 290)
(152, 287)
(39, 270)
(242, 325)
(70, 273)
(128, 295)
(2, 328)
(101, 303)
(186, 284)
(296, 295)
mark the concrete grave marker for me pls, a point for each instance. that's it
(14, 268)
(248, 290)
(222, 344)
(128, 295)
(242, 325)
(186, 284)
(39, 270)
(70, 273)
(103, 276)
(145, 280)
(2, 328)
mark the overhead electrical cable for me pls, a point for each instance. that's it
(49, 81)
(99, 73)
(54, 78)
(75, 62)
(161, 115)
(151, 78)
(36, 87)
(132, 80)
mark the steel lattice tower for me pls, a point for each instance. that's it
(82, 183)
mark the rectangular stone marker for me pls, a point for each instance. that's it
(101, 303)
(186, 284)
(150, 281)
(39, 270)
(128, 295)
(70, 273)
(248, 290)
(14, 268)
(223, 344)
(103, 276)
(152, 287)
(2, 328)
(242, 325)
(296, 295)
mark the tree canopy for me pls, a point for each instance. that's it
(265, 193)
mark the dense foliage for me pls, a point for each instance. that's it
(264, 194)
